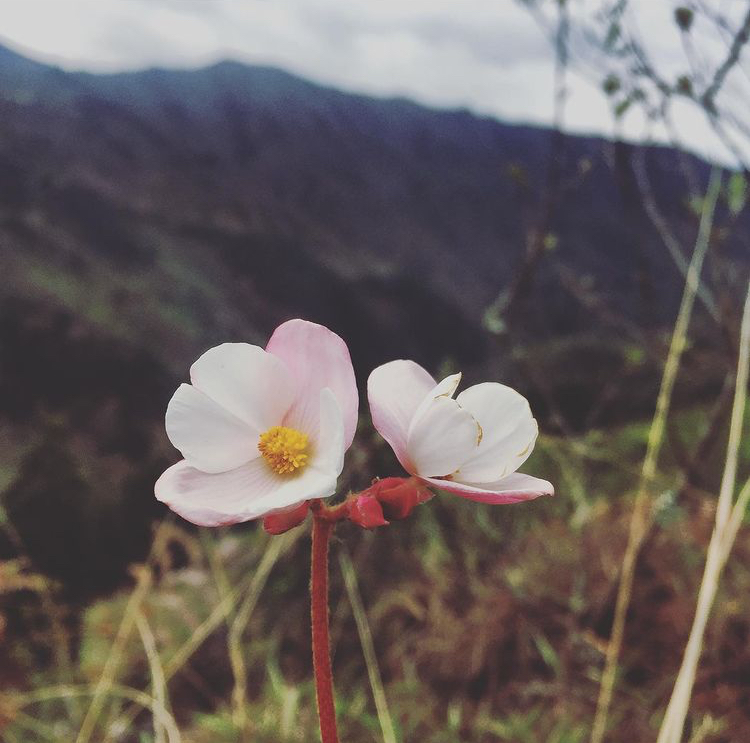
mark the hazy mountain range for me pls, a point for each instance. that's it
(174, 208)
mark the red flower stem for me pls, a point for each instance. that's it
(321, 650)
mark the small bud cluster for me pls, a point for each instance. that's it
(386, 500)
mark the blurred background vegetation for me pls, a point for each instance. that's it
(147, 216)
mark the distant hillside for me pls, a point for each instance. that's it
(147, 216)
(176, 209)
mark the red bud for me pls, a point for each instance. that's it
(366, 511)
(285, 519)
(398, 496)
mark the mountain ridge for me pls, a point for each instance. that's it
(236, 196)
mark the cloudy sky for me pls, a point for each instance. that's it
(491, 56)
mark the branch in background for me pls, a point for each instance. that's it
(536, 238)
(691, 463)
(642, 515)
(606, 45)
(708, 99)
(662, 227)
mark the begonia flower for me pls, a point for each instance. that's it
(261, 430)
(471, 445)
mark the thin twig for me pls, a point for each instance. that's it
(708, 99)
(665, 232)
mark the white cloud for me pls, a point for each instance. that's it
(488, 55)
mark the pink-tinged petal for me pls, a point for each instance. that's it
(281, 521)
(252, 384)
(208, 436)
(442, 438)
(329, 444)
(509, 432)
(242, 494)
(514, 488)
(395, 391)
(317, 358)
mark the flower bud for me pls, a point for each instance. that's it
(398, 496)
(366, 511)
(278, 522)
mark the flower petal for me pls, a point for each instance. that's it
(395, 390)
(208, 436)
(514, 488)
(316, 358)
(329, 443)
(242, 494)
(442, 438)
(509, 432)
(246, 380)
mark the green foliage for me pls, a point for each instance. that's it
(611, 84)
(485, 620)
(736, 193)
(684, 17)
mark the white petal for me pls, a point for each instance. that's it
(330, 444)
(442, 438)
(209, 437)
(242, 494)
(395, 391)
(509, 432)
(246, 380)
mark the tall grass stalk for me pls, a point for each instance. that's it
(156, 669)
(642, 510)
(107, 677)
(727, 523)
(276, 545)
(219, 614)
(708, 726)
(138, 697)
(368, 648)
(41, 730)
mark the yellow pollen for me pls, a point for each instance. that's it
(285, 449)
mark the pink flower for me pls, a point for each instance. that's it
(471, 445)
(261, 431)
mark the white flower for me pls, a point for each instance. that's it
(471, 445)
(261, 430)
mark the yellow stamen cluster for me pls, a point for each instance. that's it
(285, 449)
